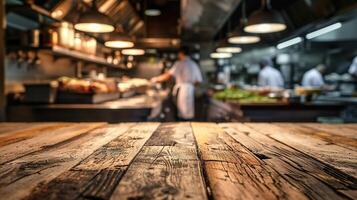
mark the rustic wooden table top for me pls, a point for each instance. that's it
(177, 161)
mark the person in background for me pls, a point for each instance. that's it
(269, 76)
(187, 74)
(313, 77)
(353, 68)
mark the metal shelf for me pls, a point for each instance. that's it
(63, 52)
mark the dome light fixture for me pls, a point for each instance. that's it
(265, 20)
(244, 39)
(133, 52)
(119, 44)
(93, 21)
(218, 55)
(239, 36)
(152, 12)
(229, 50)
(117, 41)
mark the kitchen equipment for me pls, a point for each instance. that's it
(85, 98)
(41, 92)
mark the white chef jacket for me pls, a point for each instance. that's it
(186, 73)
(312, 78)
(353, 68)
(270, 77)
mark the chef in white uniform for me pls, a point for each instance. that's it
(353, 68)
(187, 74)
(313, 77)
(269, 76)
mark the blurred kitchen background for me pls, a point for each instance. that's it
(54, 70)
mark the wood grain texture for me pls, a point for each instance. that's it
(28, 131)
(172, 171)
(315, 179)
(97, 176)
(324, 149)
(6, 127)
(172, 134)
(19, 177)
(339, 131)
(52, 137)
(234, 172)
(177, 161)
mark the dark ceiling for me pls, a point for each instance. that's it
(165, 25)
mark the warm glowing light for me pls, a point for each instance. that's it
(243, 39)
(133, 52)
(119, 44)
(129, 65)
(94, 27)
(265, 28)
(221, 55)
(57, 13)
(229, 50)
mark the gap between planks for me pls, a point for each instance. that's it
(168, 167)
(314, 178)
(233, 172)
(97, 175)
(20, 176)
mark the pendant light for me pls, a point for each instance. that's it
(240, 37)
(133, 52)
(265, 20)
(229, 49)
(94, 22)
(217, 55)
(117, 41)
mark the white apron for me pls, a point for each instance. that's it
(185, 95)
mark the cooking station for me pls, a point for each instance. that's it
(132, 109)
(177, 161)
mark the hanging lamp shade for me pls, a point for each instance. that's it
(133, 52)
(94, 22)
(265, 20)
(239, 37)
(229, 49)
(118, 41)
(217, 55)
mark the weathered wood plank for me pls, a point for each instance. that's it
(303, 139)
(28, 131)
(52, 137)
(12, 127)
(163, 172)
(236, 173)
(172, 171)
(346, 131)
(315, 179)
(19, 177)
(172, 134)
(97, 176)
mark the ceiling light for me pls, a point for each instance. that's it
(119, 44)
(243, 39)
(324, 30)
(119, 41)
(133, 52)
(289, 43)
(94, 22)
(218, 55)
(57, 14)
(152, 12)
(229, 50)
(265, 20)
